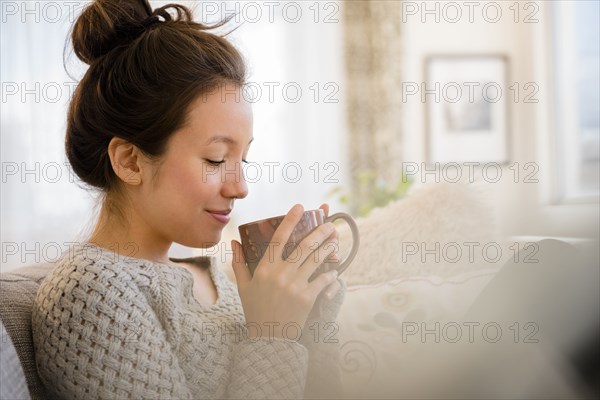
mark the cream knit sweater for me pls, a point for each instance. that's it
(110, 326)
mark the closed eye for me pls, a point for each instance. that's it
(213, 162)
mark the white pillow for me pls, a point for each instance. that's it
(376, 324)
(395, 238)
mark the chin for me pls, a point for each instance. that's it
(200, 243)
(206, 244)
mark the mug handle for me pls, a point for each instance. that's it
(355, 239)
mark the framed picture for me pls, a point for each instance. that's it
(466, 100)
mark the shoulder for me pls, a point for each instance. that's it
(84, 263)
(87, 276)
(93, 294)
(94, 310)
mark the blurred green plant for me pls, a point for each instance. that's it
(379, 194)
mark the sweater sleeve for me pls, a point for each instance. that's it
(268, 368)
(320, 337)
(96, 336)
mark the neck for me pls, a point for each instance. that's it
(127, 234)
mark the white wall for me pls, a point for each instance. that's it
(523, 208)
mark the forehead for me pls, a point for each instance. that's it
(222, 116)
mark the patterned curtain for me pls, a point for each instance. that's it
(373, 62)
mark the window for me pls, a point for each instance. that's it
(576, 73)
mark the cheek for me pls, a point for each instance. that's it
(183, 177)
(191, 180)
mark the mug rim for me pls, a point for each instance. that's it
(278, 217)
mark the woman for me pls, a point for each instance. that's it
(159, 107)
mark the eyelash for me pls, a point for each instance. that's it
(215, 162)
(212, 162)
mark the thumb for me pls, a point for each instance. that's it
(240, 269)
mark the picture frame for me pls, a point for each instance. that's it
(467, 108)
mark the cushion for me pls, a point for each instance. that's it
(17, 292)
(373, 348)
(396, 240)
(12, 378)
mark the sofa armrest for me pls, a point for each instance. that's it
(12, 377)
(17, 292)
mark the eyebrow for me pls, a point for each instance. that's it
(223, 139)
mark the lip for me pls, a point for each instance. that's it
(221, 212)
(222, 216)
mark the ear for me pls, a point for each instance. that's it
(125, 159)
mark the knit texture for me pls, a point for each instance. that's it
(110, 326)
(320, 336)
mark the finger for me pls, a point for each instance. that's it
(318, 257)
(332, 290)
(284, 230)
(240, 269)
(310, 244)
(321, 282)
(325, 208)
(333, 257)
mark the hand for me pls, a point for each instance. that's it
(279, 292)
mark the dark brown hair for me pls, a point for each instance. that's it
(145, 68)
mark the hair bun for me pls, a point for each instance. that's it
(173, 61)
(105, 24)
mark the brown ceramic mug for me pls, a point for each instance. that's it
(256, 236)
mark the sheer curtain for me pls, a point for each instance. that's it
(42, 207)
(374, 49)
(295, 55)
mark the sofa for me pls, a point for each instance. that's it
(17, 291)
(390, 295)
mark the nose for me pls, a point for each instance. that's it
(234, 183)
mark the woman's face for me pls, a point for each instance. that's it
(193, 188)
